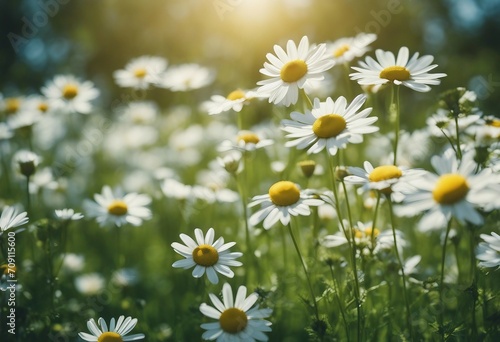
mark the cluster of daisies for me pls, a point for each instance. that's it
(462, 188)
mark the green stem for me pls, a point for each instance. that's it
(401, 266)
(441, 282)
(459, 149)
(473, 286)
(28, 197)
(374, 223)
(307, 104)
(395, 103)
(339, 302)
(316, 311)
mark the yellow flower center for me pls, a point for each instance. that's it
(70, 91)
(248, 138)
(370, 230)
(236, 95)
(329, 126)
(341, 50)
(396, 72)
(43, 107)
(284, 193)
(494, 123)
(293, 71)
(205, 255)
(12, 105)
(450, 189)
(140, 72)
(233, 320)
(384, 172)
(109, 336)
(117, 208)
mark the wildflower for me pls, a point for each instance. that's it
(90, 284)
(246, 141)
(116, 333)
(186, 77)
(412, 73)
(293, 70)
(206, 255)
(330, 124)
(68, 214)
(235, 100)
(283, 201)
(456, 191)
(237, 319)
(110, 208)
(27, 162)
(11, 218)
(67, 93)
(141, 72)
(488, 251)
(344, 50)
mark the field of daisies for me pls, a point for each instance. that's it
(344, 195)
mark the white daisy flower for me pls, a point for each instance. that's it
(380, 178)
(283, 201)
(27, 162)
(236, 319)
(412, 73)
(11, 218)
(73, 262)
(67, 93)
(329, 125)
(68, 214)
(140, 113)
(488, 251)
(456, 191)
(12, 105)
(441, 123)
(5, 132)
(90, 284)
(246, 141)
(116, 333)
(344, 50)
(186, 77)
(38, 104)
(118, 209)
(293, 70)
(141, 72)
(206, 255)
(23, 119)
(234, 101)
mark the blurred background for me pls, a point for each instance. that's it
(92, 38)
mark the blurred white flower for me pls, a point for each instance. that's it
(186, 77)
(90, 284)
(68, 93)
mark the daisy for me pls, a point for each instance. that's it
(456, 191)
(206, 255)
(11, 218)
(293, 70)
(90, 284)
(118, 209)
(11, 105)
(488, 251)
(117, 330)
(246, 141)
(412, 73)
(329, 125)
(5, 132)
(68, 215)
(283, 201)
(345, 50)
(380, 178)
(68, 93)
(186, 77)
(233, 101)
(236, 319)
(141, 72)
(140, 113)
(441, 123)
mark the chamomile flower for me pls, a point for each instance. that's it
(68, 93)
(186, 77)
(380, 178)
(116, 333)
(235, 101)
(488, 251)
(237, 318)
(411, 72)
(141, 72)
(283, 200)
(90, 284)
(11, 218)
(206, 255)
(118, 209)
(456, 191)
(293, 70)
(246, 141)
(12, 105)
(68, 214)
(330, 124)
(345, 50)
